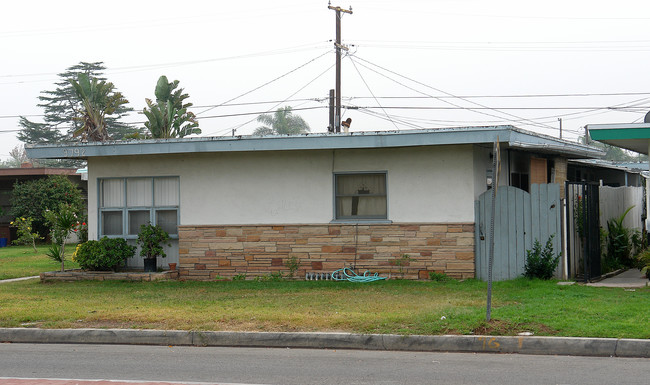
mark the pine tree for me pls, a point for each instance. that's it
(61, 106)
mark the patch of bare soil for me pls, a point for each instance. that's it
(505, 328)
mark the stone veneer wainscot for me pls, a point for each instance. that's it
(207, 252)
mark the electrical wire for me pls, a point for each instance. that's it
(267, 83)
(236, 127)
(368, 87)
(448, 94)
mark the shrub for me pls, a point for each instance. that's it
(103, 255)
(24, 230)
(33, 198)
(619, 243)
(150, 239)
(541, 263)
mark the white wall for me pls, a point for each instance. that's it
(425, 184)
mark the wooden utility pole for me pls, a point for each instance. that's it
(339, 47)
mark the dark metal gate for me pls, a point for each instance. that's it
(583, 223)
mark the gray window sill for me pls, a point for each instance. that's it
(361, 221)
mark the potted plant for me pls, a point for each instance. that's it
(151, 239)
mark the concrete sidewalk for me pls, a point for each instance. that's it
(604, 347)
(629, 278)
(18, 279)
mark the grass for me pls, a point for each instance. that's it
(22, 261)
(396, 306)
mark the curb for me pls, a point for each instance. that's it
(574, 346)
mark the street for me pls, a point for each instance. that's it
(304, 366)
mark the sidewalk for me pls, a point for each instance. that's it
(18, 279)
(629, 278)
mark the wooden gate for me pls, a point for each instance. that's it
(520, 219)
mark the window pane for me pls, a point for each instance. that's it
(136, 219)
(168, 220)
(361, 196)
(361, 184)
(361, 207)
(112, 193)
(166, 192)
(138, 192)
(111, 223)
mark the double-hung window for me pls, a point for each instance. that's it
(360, 195)
(127, 203)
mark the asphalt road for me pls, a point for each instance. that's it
(305, 366)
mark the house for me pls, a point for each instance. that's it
(27, 172)
(244, 205)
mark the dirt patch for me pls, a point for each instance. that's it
(506, 328)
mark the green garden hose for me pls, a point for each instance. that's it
(347, 274)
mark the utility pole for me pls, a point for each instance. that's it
(339, 47)
(560, 120)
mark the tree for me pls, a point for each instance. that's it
(18, 156)
(616, 154)
(33, 198)
(97, 100)
(282, 122)
(168, 117)
(61, 107)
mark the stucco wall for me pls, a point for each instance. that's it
(432, 184)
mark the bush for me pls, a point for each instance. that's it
(150, 239)
(33, 198)
(541, 263)
(103, 255)
(619, 243)
(24, 231)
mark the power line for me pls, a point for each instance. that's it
(267, 83)
(368, 87)
(446, 93)
(236, 127)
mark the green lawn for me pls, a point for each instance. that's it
(22, 261)
(402, 307)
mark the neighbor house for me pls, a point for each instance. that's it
(399, 203)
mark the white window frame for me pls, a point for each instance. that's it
(125, 208)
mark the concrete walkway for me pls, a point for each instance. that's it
(18, 279)
(630, 278)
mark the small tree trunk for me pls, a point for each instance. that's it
(62, 257)
(34, 244)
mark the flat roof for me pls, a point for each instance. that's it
(511, 136)
(29, 171)
(630, 136)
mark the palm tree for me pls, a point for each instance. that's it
(282, 122)
(98, 100)
(168, 117)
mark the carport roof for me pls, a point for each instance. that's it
(630, 136)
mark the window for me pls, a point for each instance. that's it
(360, 196)
(127, 203)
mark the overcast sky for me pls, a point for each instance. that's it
(411, 64)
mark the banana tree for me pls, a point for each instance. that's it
(168, 116)
(98, 100)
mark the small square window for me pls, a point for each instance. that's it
(361, 196)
